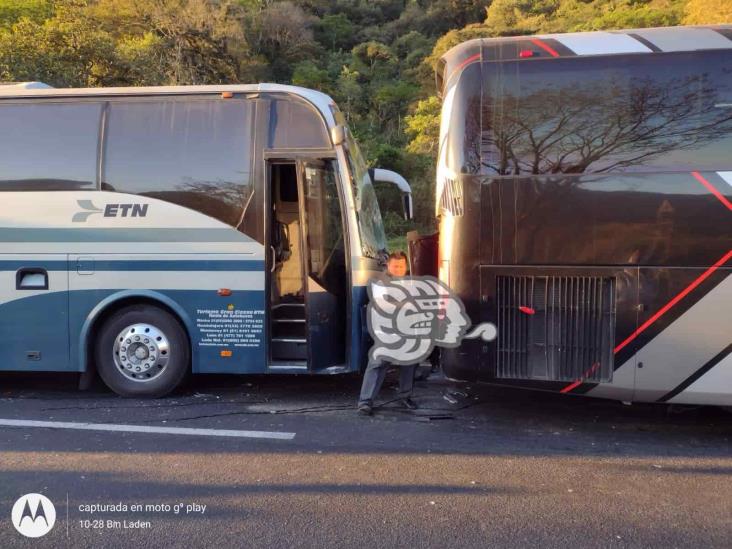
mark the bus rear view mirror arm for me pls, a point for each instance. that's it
(388, 176)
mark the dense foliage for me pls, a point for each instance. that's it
(374, 57)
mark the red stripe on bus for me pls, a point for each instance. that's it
(547, 48)
(571, 386)
(663, 310)
(578, 382)
(470, 59)
(462, 65)
(723, 199)
(681, 295)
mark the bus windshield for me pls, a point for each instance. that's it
(371, 227)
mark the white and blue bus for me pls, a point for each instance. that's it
(153, 232)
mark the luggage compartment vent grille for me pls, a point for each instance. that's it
(555, 328)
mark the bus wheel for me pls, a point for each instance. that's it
(142, 351)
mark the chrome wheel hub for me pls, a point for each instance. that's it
(141, 352)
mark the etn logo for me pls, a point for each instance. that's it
(110, 210)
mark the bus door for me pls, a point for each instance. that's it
(325, 264)
(308, 280)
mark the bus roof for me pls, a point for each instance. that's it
(573, 44)
(320, 100)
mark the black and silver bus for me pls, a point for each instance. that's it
(584, 192)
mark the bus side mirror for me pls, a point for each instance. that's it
(388, 176)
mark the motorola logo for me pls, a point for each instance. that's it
(33, 515)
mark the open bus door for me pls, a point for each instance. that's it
(309, 282)
(325, 264)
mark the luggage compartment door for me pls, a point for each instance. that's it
(34, 324)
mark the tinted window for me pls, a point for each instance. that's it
(50, 146)
(665, 112)
(294, 124)
(193, 153)
(462, 139)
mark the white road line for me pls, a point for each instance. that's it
(146, 429)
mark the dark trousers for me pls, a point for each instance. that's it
(374, 376)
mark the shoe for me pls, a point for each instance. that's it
(365, 409)
(409, 403)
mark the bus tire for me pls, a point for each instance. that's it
(142, 351)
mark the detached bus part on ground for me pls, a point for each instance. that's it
(159, 231)
(584, 191)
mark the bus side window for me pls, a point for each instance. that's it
(624, 114)
(49, 146)
(194, 153)
(294, 124)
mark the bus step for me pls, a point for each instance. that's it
(289, 311)
(289, 365)
(299, 320)
(288, 349)
(288, 330)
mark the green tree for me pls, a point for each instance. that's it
(627, 14)
(336, 32)
(507, 17)
(702, 12)
(282, 34)
(308, 75)
(392, 99)
(349, 92)
(517, 17)
(412, 48)
(139, 60)
(65, 50)
(423, 127)
(195, 41)
(376, 58)
(12, 10)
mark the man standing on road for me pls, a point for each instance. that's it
(376, 370)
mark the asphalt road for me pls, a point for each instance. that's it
(484, 467)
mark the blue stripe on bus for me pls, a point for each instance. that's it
(136, 265)
(122, 234)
